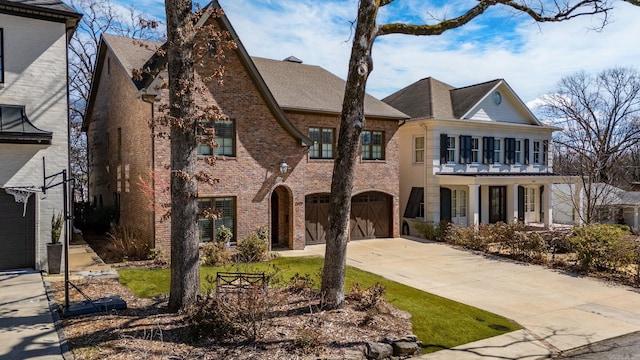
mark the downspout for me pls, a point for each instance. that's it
(150, 99)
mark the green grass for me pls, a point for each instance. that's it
(438, 322)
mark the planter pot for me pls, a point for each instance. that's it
(54, 257)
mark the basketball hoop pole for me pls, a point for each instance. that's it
(67, 219)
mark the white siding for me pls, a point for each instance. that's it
(36, 76)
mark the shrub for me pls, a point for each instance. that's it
(214, 254)
(601, 247)
(307, 340)
(252, 248)
(466, 237)
(125, 245)
(426, 230)
(224, 234)
(237, 315)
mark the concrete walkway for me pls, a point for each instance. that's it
(559, 311)
(27, 329)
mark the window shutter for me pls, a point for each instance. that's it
(487, 149)
(545, 152)
(443, 149)
(526, 152)
(445, 204)
(465, 149)
(509, 150)
(413, 206)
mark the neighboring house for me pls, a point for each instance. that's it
(472, 155)
(611, 205)
(33, 124)
(275, 152)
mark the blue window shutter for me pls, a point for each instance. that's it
(526, 152)
(443, 149)
(487, 149)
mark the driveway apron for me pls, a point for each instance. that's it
(27, 329)
(559, 311)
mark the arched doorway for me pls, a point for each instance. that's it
(280, 217)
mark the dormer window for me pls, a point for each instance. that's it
(15, 127)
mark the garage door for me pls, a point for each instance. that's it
(17, 233)
(370, 217)
(316, 218)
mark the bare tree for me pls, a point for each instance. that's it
(98, 17)
(600, 115)
(352, 118)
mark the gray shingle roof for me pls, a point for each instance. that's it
(298, 86)
(431, 98)
(132, 54)
(55, 6)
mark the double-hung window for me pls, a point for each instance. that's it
(372, 145)
(518, 159)
(216, 212)
(537, 155)
(451, 148)
(323, 143)
(497, 145)
(418, 149)
(223, 136)
(475, 150)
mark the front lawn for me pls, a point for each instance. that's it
(438, 322)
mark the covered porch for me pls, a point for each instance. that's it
(472, 199)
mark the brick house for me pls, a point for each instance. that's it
(33, 124)
(275, 152)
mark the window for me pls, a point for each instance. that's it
(418, 149)
(496, 150)
(322, 143)
(545, 152)
(475, 150)
(1, 56)
(224, 137)
(537, 158)
(223, 211)
(518, 152)
(451, 148)
(372, 145)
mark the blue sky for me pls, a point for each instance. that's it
(531, 57)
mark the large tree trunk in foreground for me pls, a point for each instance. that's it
(185, 272)
(351, 125)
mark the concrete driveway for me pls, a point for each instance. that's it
(559, 311)
(27, 330)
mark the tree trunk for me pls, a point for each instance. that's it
(351, 125)
(185, 272)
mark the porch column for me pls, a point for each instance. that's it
(512, 209)
(473, 216)
(548, 206)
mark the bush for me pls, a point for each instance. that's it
(214, 254)
(467, 237)
(224, 234)
(368, 298)
(602, 247)
(432, 232)
(238, 315)
(125, 245)
(252, 248)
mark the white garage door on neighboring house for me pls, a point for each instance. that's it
(17, 233)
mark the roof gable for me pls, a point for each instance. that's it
(432, 99)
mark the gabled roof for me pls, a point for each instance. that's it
(51, 10)
(283, 85)
(432, 99)
(297, 86)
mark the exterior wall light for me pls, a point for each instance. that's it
(284, 167)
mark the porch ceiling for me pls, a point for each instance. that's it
(504, 179)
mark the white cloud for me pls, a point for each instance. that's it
(532, 58)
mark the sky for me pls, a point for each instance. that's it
(531, 57)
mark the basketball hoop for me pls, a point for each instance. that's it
(21, 195)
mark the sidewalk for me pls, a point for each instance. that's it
(27, 311)
(559, 311)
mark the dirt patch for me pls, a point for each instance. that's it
(146, 330)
